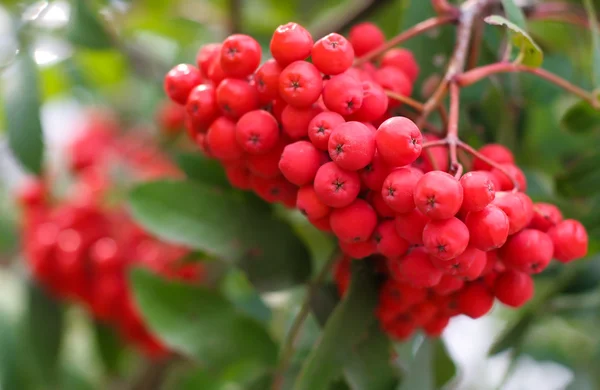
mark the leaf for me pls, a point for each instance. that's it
(582, 178)
(9, 366)
(595, 31)
(444, 367)
(21, 98)
(514, 14)
(200, 323)
(240, 292)
(586, 279)
(85, 28)
(202, 169)
(431, 367)
(109, 347)
(581, 117)
(44, 322)
(530, 52)
(223, 225)
(323, 301)
(348, 323)
(514, 334)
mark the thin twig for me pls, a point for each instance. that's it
(405, 100)
(443, 7)
(469, 149)
(559, 12)
(473, 57)
(235, 16)
(452, 136)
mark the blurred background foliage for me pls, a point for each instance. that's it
(115, 53)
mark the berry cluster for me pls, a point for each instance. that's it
(80, 246)
(322, 136)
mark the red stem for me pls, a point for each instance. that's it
(406, 100)
(494, 164)
(452, 135)
(443, 7)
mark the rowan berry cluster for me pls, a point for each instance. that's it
(321, 136)
(81, 245)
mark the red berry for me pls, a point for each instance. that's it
(236, 97)
(416, 269)
(446, 238)
(495, 152)
(570, 240)
(358, 250)
(506, 183)
(374, 103)
(402, 59)
(271, 189)
(321, 223)
(332, 54)
(215, 72)
(206, 55)
(518, 207)
(299, 162)
(352, 145)
(309, 204)
(343, 94)
(240, 55)
(423, 312)
(398, 189)
(382, 209)
(266, 164)
(300, 84)
(267, 80)
(513, 288)
(410, 226)
(170, 117)
(257, 132)
(290, 42)
(393, 79)
(448, 284)
(488, 228)
(336, 187)
(528, 251)
(221, 140)
(365, 37)
(389, 243)
(399, 141)
(438, 195)
(475, 300)
(373, 175)
(353, 223)
(238, 175)
(545, 216)
(402, 328)
(436, 326)
(180, 80)
(478, 191)
(201, 106)
(478, 264)
(295, 121)
(321, 126)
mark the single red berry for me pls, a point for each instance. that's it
(423, 313)
(290, 42)
(399, 141)
(402, 328)
(374, 103)
(236, 97)
(545, 216)
(528, 251)
(435, 158)
(436, 326)
(478, 191)
(358, 250)
(352, 145)
(257, 132)
(299, 162)
(321, 126)
(180, 80)
(201, 106)
(295, 121)
(398, 297)
(238, 175)
(475, 300)
(478, 264)
(271, 189)
(518, 207)
(394, 80)
(506, 183)
(353, 223)
(513, 288)
(402, 59)
(382, 209)
(215, 72)
(321, 223)
(221, 140)
(492, 263)
(495, 152)
(266, 80)
(570, 240)
(332, 54)
(398, 188)
(410, 226)
(448, 285)
(170, 117)
(416, 269)
(373, 175)
(389, 243)
(300, 84)
(445, 238)
(488, 228)
(343, 94)
(336, 187)
(240, 55)
(206, 55)
(267, 164)
(438, 195)
(310, 205)
(365, 37)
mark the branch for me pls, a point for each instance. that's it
(469, 149)
(235, 16)
(560, 12)
(405, 100)
(443, 7)
(452, 135)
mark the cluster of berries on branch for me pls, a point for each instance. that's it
(81, 244)
(322, 136)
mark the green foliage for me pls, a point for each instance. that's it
(530, 53)
(581, 118)
(203, 170)
(514, 14)
(109, 347)
(430, 369)
(595, 32)
(85, 27)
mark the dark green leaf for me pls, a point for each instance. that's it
(530, 53)
(243, 295)
(444, 367)
(581, 118)
(200, 323)
(9, 240)
(595, 31)
(9, 366)
(85, 27)
(582, 177)
(109, 347)
(348, 323)
(221, 224)
(586, 279)
(202, 169)
(197, 379)
(21, 99)
(514, 14)
(431, 367)
(514, 334)
(72, 379)
(45, 341)
(323, 301)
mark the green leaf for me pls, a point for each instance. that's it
(21, 99)
(240, 292)
(514, 334)
(595, 31)
(223, 225)
(431, 367)
(202, 169)
(347, 325)
(85, 27)
(444, 367)
(530, 52)
(581, 118)
(582, 177)
(44, 322)
(200, 323)
(9, 366)
(109, 346)
(514, 14)
(324, 301)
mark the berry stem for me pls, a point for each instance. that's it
(288, 349)
(405, 100)
(415, 30)
(443, 7)
(477, 74)
(469, 149)
(559, 12)
(452, 136)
